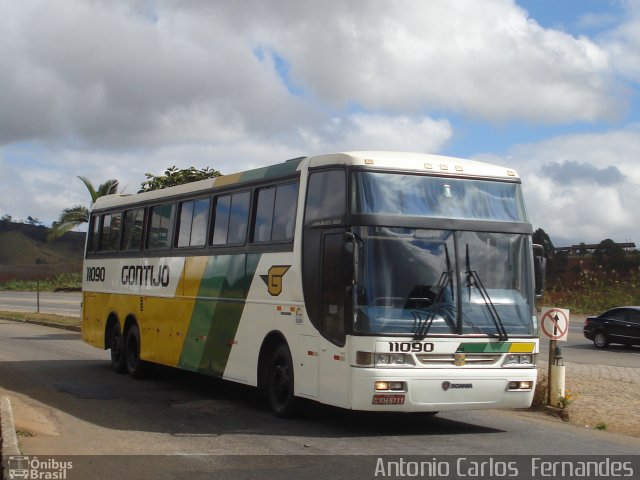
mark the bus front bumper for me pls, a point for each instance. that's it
(442, 389)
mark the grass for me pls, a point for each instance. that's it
(41, 318)
(61, 281)
(595, 291)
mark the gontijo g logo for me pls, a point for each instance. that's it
(274, 279)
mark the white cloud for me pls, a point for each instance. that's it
(381, 132)
(113, 89)
(485, 58)
(623, 42)
(591, 209)
(112, 73)
(102, 75)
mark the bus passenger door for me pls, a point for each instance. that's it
(334, 307)
(306, 371)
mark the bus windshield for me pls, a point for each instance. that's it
(437, 197)
(430, 282)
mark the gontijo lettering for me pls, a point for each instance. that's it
(145, 275)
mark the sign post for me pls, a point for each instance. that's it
(554, 323)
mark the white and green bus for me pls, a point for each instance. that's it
(366, 280)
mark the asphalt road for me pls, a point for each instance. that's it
(58, 303)
(577, 349)
(65, 393)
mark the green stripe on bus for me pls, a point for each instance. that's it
(217, 312)
(498, 347)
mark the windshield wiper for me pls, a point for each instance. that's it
(473, 280)
(445, 280)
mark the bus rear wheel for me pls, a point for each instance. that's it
(116, 342)
(280, 383)
(137, 368)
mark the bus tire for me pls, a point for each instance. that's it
(137, 368)
(280, 383)
(116, 343)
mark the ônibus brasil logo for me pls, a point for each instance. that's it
(35, 468)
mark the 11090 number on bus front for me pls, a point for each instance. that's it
(413, 347)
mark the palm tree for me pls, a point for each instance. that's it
(75, 216)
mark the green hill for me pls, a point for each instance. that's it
(26, 254)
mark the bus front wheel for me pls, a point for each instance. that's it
(280, 383)
(137, 368)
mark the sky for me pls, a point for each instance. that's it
(114, 89)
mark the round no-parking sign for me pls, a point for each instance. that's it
(554, 323)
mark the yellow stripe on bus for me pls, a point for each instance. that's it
(166, 320)
(522, 348)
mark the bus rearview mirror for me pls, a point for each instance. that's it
(540, 270)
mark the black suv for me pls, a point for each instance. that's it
(618, 325)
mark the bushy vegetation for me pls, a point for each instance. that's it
(176, 176)
(61, 281)
(591, 282)
(595, 291)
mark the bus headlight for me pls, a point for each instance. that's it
(368, 359)
(364, 358)
(527, 359)
(383, 386)
(519, 360)
(520, 386)
(393, 359)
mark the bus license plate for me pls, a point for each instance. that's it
(388, 399)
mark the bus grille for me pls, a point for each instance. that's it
(449, 359)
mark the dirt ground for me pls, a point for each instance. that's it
(602, 403)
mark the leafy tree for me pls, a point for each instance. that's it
(609, 254)
(33, 221)
(583, 249)
(174, 176)
(540, 237)
(75, 216)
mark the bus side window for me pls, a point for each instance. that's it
(276, 213)
(110, 233)
(132, 228)
(192, 231)
(161, 226)
(284, 212)
(239, 218)
(326, 196)
(264, 215)
(231, 218)
(95, 233)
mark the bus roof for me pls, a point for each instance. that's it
(419, 162)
